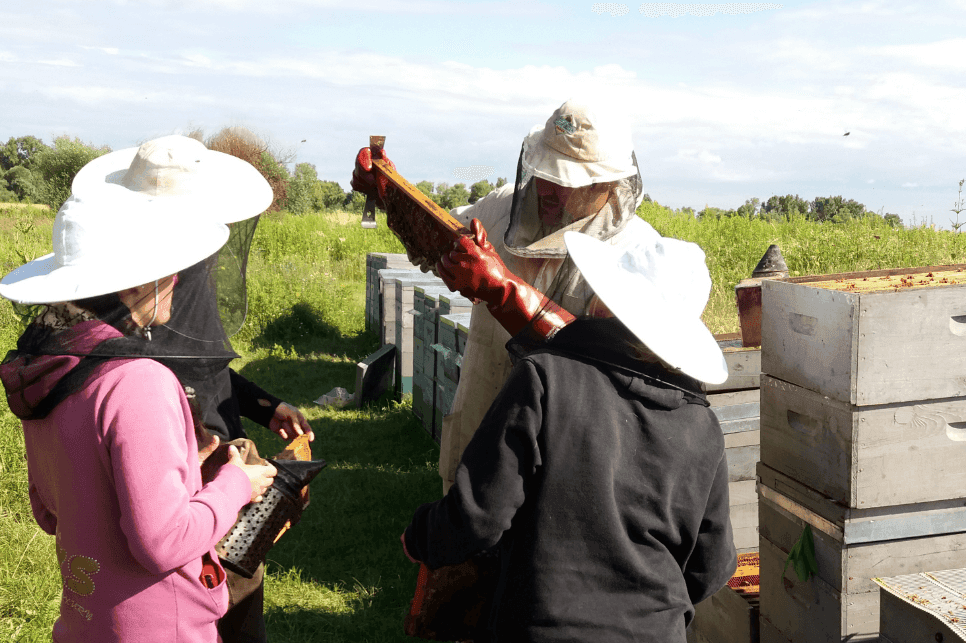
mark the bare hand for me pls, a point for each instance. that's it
(289, 423)
(260, 475)
(205, 452)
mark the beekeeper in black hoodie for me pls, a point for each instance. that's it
(599, 470)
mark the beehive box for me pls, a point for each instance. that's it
(851, 548)
(738, 414)
(923, 608)
(865, 456)
(405, 302)
(744, 365)
(376, 261)
(731, 614)
(454, 304)
(876, 337)
(387, 281)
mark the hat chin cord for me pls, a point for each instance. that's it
(147, 327)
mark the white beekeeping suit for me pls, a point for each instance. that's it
(574, 173)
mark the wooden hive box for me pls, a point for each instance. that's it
(454, 304)
(387, 306)
(876, 337)
(852, 546)
(405, 286)
(425, 321)
(744, 365)
(738, 412)
(731, 614)
(376, 261)
(865, 456)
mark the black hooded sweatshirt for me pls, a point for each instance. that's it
(603, 480)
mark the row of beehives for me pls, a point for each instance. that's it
(428, 325)
(863, 440)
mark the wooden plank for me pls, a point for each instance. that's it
(865, 456)
(737, 411)
(733, 397)
(744, 369)
(743, 501)
(742, 462)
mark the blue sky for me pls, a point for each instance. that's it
(748, 102)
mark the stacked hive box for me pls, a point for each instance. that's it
(731, 616)
(735, 403)
(376, 261)
(404, 290)
(450, 347)
(388, 281)
(425, 319)
(863, 439)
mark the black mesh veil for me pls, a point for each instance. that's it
(187, 329)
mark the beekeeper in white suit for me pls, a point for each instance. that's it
(575, 172)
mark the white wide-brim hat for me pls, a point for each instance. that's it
(108, 245)
(575, 148)
(658, 288)
(183, 171)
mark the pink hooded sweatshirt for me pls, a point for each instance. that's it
(114, 475)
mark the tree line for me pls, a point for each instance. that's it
(33, 172)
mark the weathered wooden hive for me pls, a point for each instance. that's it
(863, 439)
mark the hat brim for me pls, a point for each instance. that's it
(683, 342)
(43, 281)
(233, 190)
(547, 163)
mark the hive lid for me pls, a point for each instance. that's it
(941, 594)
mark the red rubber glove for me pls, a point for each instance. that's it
(365, 181)
(475, 269)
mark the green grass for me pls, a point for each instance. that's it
(340, 575)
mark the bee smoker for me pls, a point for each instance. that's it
(261, 523)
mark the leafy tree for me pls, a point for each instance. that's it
(836, 209)
(750, 208)
(331, 195)
(893, 220)
(22, 184)
(426, 187)
(784, 207)
(304, 192)
(500, 182)
(55, 168)
(20, 151)
(479, 190)
(452, 197)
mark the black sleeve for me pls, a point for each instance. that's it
(714, 559)
(248, 395)
(491, 479)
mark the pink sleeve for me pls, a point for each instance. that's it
(43, 516)
(166, 516)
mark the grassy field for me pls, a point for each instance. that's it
(340, 574)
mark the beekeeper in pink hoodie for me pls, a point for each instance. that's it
(112, 450)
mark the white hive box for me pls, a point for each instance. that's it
(376, 261)
(902, 342)
(387, 294)
(404, 289)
